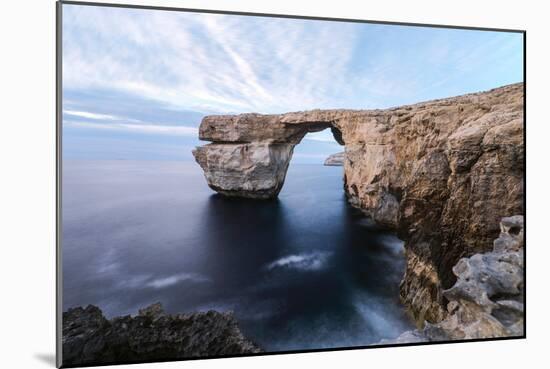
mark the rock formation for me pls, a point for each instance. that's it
(442, 173)
(250, 153)
(90, 339)
(336, 160)
(487, 300)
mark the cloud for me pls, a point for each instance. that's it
(137, 128)
(85, 114)
(158, 73)
(225, 63)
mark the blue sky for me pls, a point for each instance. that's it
(136, 83)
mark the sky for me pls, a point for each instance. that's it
(136, 83)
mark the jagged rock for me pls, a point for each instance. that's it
(336, 159)
(442, 173)
(415, 336)
(89, 338)
(487, 300)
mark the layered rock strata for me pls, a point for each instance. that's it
(250, 153)
(335, 160)
(487, 300)
(442, 173)
(90, 339)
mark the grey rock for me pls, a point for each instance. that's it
(487, 300)
(414, 336)
(511, 234)
(336, 160)
(90, 339)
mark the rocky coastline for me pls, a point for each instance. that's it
(440, 173)
(487, 300)
(445, 175)
(151, 335)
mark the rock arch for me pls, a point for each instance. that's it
(250, 153)
(441, 173)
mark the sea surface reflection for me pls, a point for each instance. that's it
(300, 272)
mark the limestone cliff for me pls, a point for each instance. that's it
(487, 300)
(442, 173)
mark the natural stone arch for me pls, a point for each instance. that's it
(250, 153)
(442, 173)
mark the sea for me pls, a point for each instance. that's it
(304, 271)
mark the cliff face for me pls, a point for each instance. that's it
(442, 173)
(487, 299)
(90, 339)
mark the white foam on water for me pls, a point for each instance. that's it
(379, 315)
(306, 262)
(393, 244)
(175, 279)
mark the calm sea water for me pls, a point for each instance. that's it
(304, 271)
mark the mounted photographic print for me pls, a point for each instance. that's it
(234, 184)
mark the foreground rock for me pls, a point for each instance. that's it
(89, 338)
(442, 173)
(487, 300)
(336, 160)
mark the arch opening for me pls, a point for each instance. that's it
(249, 154)
(318, 145)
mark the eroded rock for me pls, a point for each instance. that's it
(336, 160)
(487, 300)
(89, 338)
(253, 170)
(442, 173)
(250, 153)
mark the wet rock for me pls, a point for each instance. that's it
(89, 338)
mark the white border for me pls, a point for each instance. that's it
(27, 152)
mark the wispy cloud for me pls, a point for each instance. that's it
(137, 128)
(236, 63)
(224, 63)
(86, 114)
(233, 63)
(158, 72)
